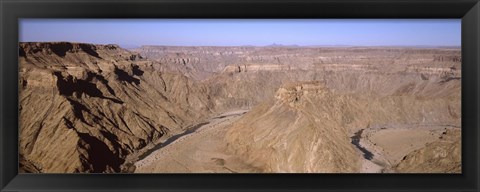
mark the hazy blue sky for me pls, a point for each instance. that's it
(134, 32)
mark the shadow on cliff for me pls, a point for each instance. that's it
(67, 86)
(124, 76)
(62, 48)
(89, 49)
(100, 157)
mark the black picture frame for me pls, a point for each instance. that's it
(11, 11)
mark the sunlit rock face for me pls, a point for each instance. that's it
(307, 127)
(88, 108)
(84, 108)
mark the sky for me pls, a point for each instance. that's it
(238, 32)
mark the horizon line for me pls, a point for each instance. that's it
(127, 46)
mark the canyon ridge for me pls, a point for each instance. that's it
(90, 108)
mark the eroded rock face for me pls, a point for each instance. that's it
(87, 108)
(296, 126)
(246, 76)
(84, 108)
(443, 156)
(307, 127)
(202, 61)
(288, 135)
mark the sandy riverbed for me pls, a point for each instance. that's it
(390, 145)
(202, 151)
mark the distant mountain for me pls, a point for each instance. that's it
(129, 46)
(281, 45)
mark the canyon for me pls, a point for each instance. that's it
(86, 108)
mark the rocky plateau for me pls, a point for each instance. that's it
(88, 108)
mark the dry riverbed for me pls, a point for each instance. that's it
(384, 147)
(202, 150)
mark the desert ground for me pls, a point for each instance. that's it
(88, 108)
(202, 151)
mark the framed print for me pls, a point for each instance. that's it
(239, 95)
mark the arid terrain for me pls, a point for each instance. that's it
(88, 108)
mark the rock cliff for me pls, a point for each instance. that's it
(307, 127)
(88, 108)
(84, 107)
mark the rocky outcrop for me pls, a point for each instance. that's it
(89, 108)
(239, 77)
(281, 136)
(202, 62)
(443, 156)
(85, 108)
(307, 127)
